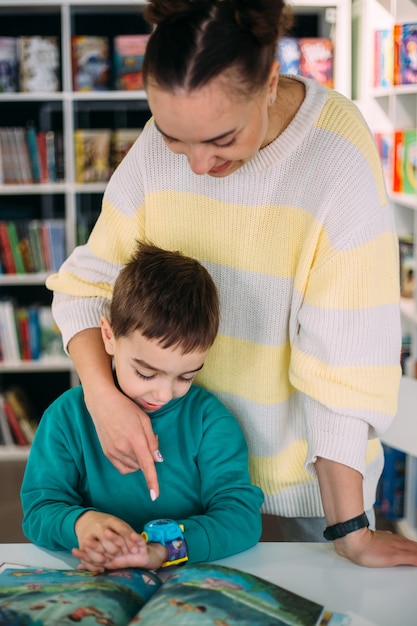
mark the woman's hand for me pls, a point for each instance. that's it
(107, 542)
(342, 495)
(377, 548)
(126, 435)
(124, 430)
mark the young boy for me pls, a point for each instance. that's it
(164, 316)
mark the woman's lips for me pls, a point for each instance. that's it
(220, 168)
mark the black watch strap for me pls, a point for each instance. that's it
(344, 528)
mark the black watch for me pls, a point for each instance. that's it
(344, 528)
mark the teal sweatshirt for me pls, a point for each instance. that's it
(204, 479)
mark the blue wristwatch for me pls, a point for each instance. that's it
(169, 534)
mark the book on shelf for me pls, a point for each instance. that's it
(32, 143)
(28, 332)
(409, 183)
(13, 236)
(383, 58)
(288, 55)
(28, 156)
(200, 594)
(23, 409)
(39, 63)
(6, 436)
(311, 57)
(8, 65)
(122, 140)
(92, 155)
(407, 265)
(408, 53)
(398, 161)
(128, 54)
(384, 143)
(28, 246)
(18, 433)
(8, 331)
(23, 331)
(316, 59)
(90, 63)
(391, 486)
(50, 337)
(6, 252)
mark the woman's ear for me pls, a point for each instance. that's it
(273, 80)
(107, 335)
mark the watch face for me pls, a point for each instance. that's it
(161, 522)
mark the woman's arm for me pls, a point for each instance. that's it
(124, 430)
(342, 496)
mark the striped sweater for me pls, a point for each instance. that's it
(302, 246)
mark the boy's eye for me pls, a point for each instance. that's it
(186, 380)
(143, 377)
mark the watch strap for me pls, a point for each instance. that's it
(177, 552)
(344, 528)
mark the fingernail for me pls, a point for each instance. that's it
(158, 456)
(152, 494)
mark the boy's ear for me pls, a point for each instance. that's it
(107, 335)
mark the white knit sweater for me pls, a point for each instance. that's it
(302, 246)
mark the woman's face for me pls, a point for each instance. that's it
(218, 131)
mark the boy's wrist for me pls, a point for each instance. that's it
(158, 554)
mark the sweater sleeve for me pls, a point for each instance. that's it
(50, 496)
(346, 334)
(231, 521)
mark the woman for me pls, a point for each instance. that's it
(274, 184)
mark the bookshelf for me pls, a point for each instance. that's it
(387, 109)
(65, 111)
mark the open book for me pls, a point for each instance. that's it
(204, 594)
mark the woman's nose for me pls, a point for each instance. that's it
(200, 159)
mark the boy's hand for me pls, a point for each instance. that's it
(106, 542)
(102, 536)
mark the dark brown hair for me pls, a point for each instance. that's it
(167, 296)
(195, 41)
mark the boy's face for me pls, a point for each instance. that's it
(147, 373)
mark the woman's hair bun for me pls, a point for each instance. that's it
(266, 20)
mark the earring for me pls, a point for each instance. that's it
(272, 101)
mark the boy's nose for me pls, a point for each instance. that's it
(164, 393)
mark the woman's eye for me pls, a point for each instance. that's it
(226, 145)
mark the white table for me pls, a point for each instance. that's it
(386, 597)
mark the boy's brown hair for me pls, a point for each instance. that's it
(166, 296)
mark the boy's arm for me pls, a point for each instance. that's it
(231, 521)
(50, 501)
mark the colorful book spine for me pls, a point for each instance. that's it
(383, 58)
(316, 59)
(90, 63)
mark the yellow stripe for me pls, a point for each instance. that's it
(283, 471)
(115, 249)
(71, 284)
(336, 117)
(256, 247)
(241, 376)
(367, 388)
(356, 281)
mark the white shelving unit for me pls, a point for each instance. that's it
(86, 17)
(387, 109)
